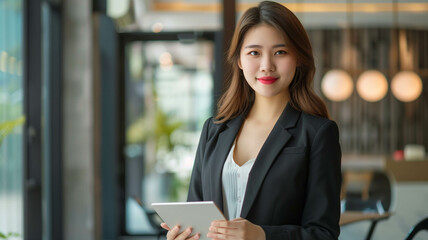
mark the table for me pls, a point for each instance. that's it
(356, 216)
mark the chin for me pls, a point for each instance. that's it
(268, 95)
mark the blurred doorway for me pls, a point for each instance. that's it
(168, 93)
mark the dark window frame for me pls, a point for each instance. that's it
(32, 105)
(42, 220)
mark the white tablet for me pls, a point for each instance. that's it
(197, 215)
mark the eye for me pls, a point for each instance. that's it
(253, 53)
(280, 52)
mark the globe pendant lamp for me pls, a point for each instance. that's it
(337, 85)
(406, 86)
(372, 86)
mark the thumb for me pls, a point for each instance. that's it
(164, 226)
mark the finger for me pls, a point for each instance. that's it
(164, 226)
(221, 223)
(237, 223)
(195, 237)
(173, 232)
(220, 236)
(222, 230)
(185, 234)
(216, 235)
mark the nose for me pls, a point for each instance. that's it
(267, 64)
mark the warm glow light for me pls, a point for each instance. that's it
(372, 86)
(157, 27)
(337, 85)
(165, 60)
(406, 86)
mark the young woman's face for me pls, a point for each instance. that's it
(267, 61)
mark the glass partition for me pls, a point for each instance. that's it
(168, 97)
(11, 118)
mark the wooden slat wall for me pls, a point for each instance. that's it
(374, 127)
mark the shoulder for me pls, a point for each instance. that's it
(211, 124)
(318, 133)
(317, 121)
(316, 124)
(212, 127)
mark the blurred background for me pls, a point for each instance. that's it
(102, 103)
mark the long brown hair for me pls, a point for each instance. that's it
(239, 96)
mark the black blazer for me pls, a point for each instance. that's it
(293, 189)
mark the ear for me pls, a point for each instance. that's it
(239, 63)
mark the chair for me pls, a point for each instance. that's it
(422, 225)
(367, 192)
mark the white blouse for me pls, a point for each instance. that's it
(234, 179)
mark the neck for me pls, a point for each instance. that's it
(268, 108)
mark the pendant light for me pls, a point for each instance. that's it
(337, 85)
(406, 86)
(372, 86)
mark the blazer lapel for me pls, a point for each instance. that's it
(225, 141)
(275, 142)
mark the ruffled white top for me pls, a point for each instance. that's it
(234, 181)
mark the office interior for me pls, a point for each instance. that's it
(102, 103)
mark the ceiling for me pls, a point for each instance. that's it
(176, 15)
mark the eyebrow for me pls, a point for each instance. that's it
(259, 46)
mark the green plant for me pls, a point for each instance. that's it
(9, 235)
(7, 127)
(156, 132)
(160, 128)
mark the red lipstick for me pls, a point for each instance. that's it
(267, 79)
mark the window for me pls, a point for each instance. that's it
(169, 93)
(11, 117)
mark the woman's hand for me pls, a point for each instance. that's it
(174, 233)
(237, 229)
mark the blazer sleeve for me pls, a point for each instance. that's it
(321, 214)
(195, 186)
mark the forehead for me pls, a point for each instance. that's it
(264, 35)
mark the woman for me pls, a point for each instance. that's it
(270, 159)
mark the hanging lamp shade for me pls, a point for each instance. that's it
(372, 86)
(406, 86)
(117, 8)
(337, 85)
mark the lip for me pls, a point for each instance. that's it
(267, 79)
